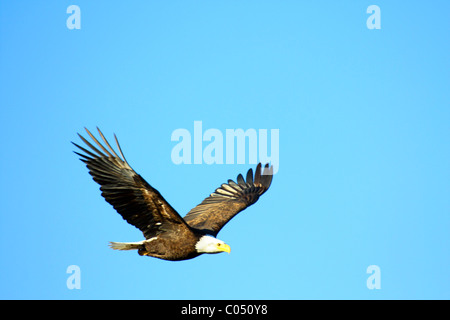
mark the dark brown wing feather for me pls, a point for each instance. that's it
(134, 199)
(228, 200)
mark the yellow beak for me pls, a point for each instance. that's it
(224, 247)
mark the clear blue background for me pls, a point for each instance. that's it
(364, 120)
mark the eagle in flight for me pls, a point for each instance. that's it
(167, 235)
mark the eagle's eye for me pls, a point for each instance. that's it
(219, 244)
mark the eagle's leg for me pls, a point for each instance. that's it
(143, 252)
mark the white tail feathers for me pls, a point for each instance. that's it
(126, 245)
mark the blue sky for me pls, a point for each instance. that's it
(364, 145)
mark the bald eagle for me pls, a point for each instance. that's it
(167, 235)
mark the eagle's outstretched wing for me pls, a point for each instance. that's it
(137, 202)
(228, 200)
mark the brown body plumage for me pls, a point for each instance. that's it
(167, 235)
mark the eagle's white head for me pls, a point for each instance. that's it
(209, 244)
